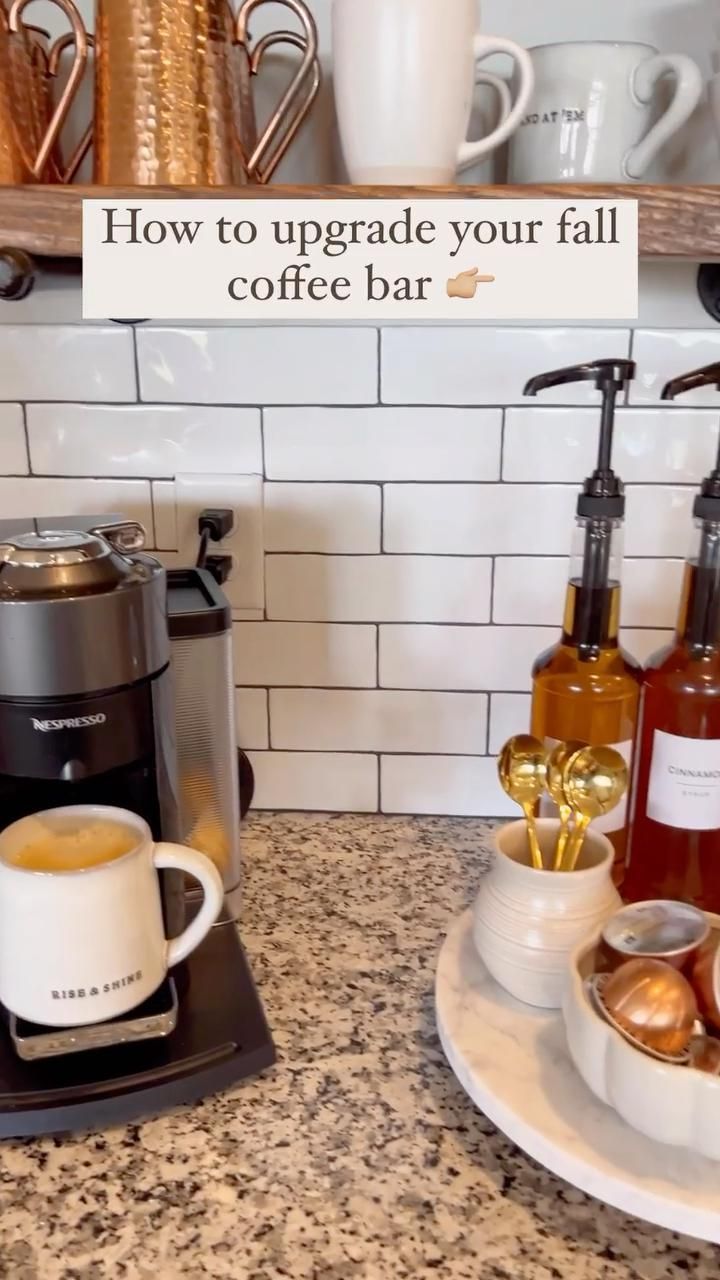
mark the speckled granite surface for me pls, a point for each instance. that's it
(358, 1157)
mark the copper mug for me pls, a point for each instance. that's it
(173, 93)
(30, 123)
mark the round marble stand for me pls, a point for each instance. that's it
(513, 1062)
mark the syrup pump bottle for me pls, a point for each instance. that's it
(585, 688)
(674, 846)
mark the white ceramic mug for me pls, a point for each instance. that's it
(85, 945)
(593, 114)
(404, 74)
(527, 923)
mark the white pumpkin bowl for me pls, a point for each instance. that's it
(673, 1104)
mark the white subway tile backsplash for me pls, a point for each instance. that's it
(142, 440)
(531, 589)
(382, 444)
(38, 496)
(652, 446)
(165, 515)
(474, 366)
(478, 519)
(378, 588)
(659, 520)
(243, 495)
(313, 780)
(329, 518)
(509, 714)
(67, 362)
(13, 448)
(251, 719)
(272, 365)
(378, 720)
(461, 785)
(306, 654)
(642, 644)
(466, 658)
(662, 354)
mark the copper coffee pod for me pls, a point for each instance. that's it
(656, 930)
(652, 1005)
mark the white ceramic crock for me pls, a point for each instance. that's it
(527, 923)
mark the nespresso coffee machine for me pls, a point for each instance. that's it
(87, 716)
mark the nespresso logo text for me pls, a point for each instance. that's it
(693, 773)
(77, 722)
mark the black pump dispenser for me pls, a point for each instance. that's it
(702, 612)
(601, 504)
(603, 493)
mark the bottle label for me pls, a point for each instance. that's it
(614, 820)
(684, 787)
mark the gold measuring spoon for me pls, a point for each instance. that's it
(596, 780)
(557, 761)
(522, 769)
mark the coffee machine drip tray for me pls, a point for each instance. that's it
(157, 1016)
(221, 1037)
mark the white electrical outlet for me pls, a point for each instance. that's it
(245, 588)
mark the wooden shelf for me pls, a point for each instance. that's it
(675, 222)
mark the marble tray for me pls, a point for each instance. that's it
(513, 1062)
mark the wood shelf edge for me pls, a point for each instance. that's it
(676, 222)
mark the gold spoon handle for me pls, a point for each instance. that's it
(565, 815)
(575, 843)
(535, 854)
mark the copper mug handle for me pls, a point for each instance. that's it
(81, 50)
(302, 105)
(83, 146)
(309, 43)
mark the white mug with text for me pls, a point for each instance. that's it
(81, 926)
(594, 112)
(404, 73)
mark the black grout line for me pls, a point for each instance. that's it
(23, 409)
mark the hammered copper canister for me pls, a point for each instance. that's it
(170, 102)
(30, 124)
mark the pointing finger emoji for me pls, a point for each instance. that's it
(465, 284)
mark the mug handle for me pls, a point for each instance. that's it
(483, 47)
(688, 92)
(78, 68)
(175, 857)
(83, 146)
(502, 90)
(302, 105)
(308, 64)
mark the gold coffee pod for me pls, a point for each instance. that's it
(705, 979)
(652, 1004)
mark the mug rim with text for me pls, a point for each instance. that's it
(85, 944)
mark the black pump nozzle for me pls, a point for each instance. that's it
(603, 493)
(707, 503)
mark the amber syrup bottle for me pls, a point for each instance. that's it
(586, 688)
(674, 849)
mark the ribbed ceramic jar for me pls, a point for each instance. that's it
(528, 923)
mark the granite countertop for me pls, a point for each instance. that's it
(358, 1157)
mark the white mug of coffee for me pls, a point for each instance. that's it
(404, 73)
(594, 112)
(81, 927)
